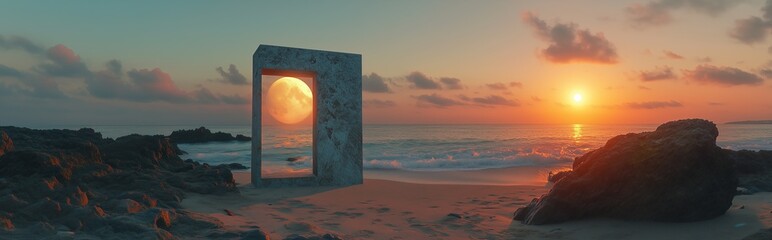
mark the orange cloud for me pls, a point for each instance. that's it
(570, 44)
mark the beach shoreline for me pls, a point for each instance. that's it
(385, 209)
(505, 176)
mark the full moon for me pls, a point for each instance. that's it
(289, 100)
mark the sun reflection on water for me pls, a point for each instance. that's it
(577, 132)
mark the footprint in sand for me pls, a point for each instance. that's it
(299, 204)
(318, 211)
(426, 229)
(284, 210)
(383, 210)
(331, 224)
(348, 214)
(301, 227)
(364, 233)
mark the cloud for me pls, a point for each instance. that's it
(374, 83)
(138, 85)
(705, 60)
(64, 63)
(435, 100)
(115, 67)
(536, 99)
(234, 99)
(753, 29)
(660, 73)
(653, 105)
(724, 76)
(6, 71)
(148, 85)
(232, 76)
(504, 86)
(658, 13)
(651, 14)
(495, 100)
(497, 86)
(205, 96)
(766, 73)
(421, 81)
(750, 30)
(16, 42)
(42, 87)
(570, 44)
(376, 103)
(672, 55)
(108, 84)
(155, 84)
(452, 83)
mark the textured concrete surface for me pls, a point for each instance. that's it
(337, 112)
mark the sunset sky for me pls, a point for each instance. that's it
(189, 62)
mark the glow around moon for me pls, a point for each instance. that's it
(289, 100)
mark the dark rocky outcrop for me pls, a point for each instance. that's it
(327, 236)
(203, 135)
(554, 177)
(753, 168)
(6, 144)
(256, 234)
(234, 166)
(79, 183)
(763, 234)
(676, 173)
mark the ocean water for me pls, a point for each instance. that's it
(435, 147)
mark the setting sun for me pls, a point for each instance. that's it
(577, 98)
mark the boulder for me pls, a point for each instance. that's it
(256, 234)
(763, 234)
(6, 145)
(753, 168)
(203, 135)
(327, 236)
(242, 138)
(124, 206)
(674, 174)
(6, 223)
(234, 166)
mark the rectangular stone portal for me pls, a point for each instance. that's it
(337, 112)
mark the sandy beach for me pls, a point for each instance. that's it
(384, 209)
